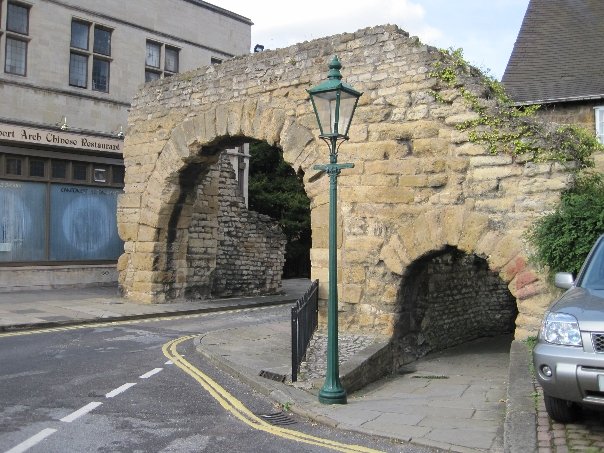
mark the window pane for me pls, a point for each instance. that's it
(16, 56)
(100, 75)
(58, 169)
(79, 35)
(600, 124)
(118, 175)
(171, 59)
(153, 52)
(78, 70)
(80, 172)
(17, 19)
(22, 229)
(102, 41)
(13, 166)
(150, 76)
(36, 168)
(99, 174)
(83, 223)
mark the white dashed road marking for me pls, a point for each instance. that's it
(33, 440)
(82, 411)
(120, 389)
(150, 373)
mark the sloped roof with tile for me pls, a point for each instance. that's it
(559, 53)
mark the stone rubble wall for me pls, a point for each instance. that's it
(231, 251)
(251, 246)
(419, 184)
(450, 299)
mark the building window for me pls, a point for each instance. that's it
(600, 124)
(81, 58)
(17, 19)
(102, 41)
(16, 56)
(17, 27)
(78, 70)
(171, 65)
(37, 168)
(14, 165)
(79, 172)
(49, 216)
(117, 175)
(153, 54)
(156, 54)
(100, 75)
(100, 174)
(79, 34)
(58, 169)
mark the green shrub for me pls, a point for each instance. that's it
(563, 238)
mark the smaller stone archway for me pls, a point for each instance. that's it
(447, 298)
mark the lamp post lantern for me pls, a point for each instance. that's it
(334, 103)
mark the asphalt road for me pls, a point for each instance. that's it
(112, 389)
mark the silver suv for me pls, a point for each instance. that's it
(569, 355)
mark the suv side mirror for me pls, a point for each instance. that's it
(564, 280)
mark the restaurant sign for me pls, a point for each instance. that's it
(26, 134)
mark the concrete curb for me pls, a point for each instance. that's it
(520, 425)
(163, 314)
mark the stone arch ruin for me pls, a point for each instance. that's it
(419, 184)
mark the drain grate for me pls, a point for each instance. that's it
(430, 376)
(273, 376)
(277, 419)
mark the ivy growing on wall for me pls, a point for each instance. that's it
(563, 237)
(504, 127)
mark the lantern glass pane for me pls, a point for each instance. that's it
(325, 105)
(347, 105)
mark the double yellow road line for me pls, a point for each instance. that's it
(238, 410)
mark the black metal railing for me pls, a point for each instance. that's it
(305, 317)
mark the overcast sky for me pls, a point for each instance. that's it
(485, 29)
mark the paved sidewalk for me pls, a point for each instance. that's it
(45, 308)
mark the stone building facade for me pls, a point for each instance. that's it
(420, 190)
(68, 71)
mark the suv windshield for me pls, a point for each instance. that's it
(593, 274)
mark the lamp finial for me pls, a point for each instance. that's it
(334, 69)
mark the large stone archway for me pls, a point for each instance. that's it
(418, 184)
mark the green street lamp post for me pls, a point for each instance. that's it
(334, 103)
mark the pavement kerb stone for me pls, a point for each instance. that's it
(280, 393)
(163, 314)
(520, 425)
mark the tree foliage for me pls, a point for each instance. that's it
(276, 190)
(563, 238)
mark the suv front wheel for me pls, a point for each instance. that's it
(561, 410)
